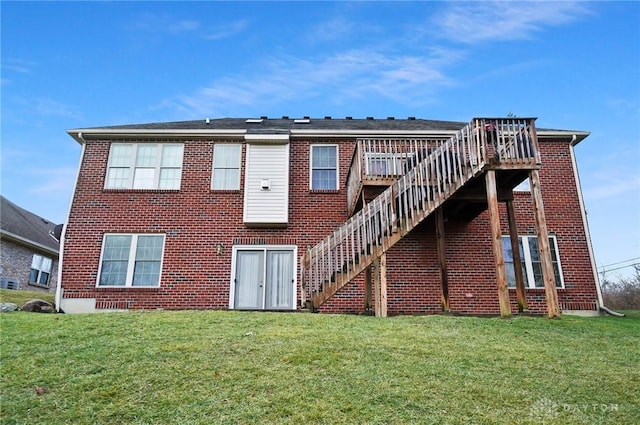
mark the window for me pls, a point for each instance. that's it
(324, 167)
(40, 270)
(144, 166)
(226, 166)
(131, 260)
(387, 164)
(531, 262)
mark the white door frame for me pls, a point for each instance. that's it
(264, 248)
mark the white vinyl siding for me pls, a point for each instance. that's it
(144, 166)
(131, 260)
(266, 185)
(531, 262)
(226, 166)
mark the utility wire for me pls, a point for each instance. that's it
(620, 262)
(621, 267)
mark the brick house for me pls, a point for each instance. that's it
(389, 216)
(29, 249)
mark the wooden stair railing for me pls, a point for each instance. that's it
(370, 232)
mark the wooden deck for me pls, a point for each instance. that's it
(412, 179)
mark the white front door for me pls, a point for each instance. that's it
(264, 279)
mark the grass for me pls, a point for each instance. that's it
(220, 367)
(21, 297)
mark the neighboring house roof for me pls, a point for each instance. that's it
(27, 228)
(305, 126)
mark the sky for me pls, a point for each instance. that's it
(574, 65)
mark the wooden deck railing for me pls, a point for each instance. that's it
(426, 173)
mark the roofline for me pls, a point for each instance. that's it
(574, 137)
(81, 135)
(371, 133)
(36, 245)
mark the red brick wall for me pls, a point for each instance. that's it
(196, 219)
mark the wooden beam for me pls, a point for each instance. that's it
(551, 293)
(442, 258)
(496, 236)
(380, 285)
(383, 285)
(367, 289)
(480, 195)
(517, 259)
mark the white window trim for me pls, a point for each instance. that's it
(213, 168)
(264, 248)
(311, 166)
(132, 166)
(528, 264)
(40, 270)
(131, 261)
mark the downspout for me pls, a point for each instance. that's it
(583, 213)
(58, 298)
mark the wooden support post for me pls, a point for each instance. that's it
(496, 236)
(517, 259)
(367, 289)
(442, 258)
(380, 285)
(551, 293)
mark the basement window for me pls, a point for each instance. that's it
(531, 262)
(131, 260)
(40, 270)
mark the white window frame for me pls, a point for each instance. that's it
(337, 166)
(131, 166)
(238, 167)
(528, 264)
(264, 248)
(131, 261)
(39, 263)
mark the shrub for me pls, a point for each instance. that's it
(623, 294)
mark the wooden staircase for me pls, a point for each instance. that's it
(433, 176)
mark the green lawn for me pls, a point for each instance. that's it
(214, 367)
(21, 297)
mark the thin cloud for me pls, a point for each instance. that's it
(184, 26)
(163, 24)
(478, 22)
(18, 65)
(331, 30)
(348, 75)
(47, 106)
(52, 180)
(219, 32)
(610, 187)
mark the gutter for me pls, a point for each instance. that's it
(58, 297)
(583, 213)
(80, 135)
(27, 242)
